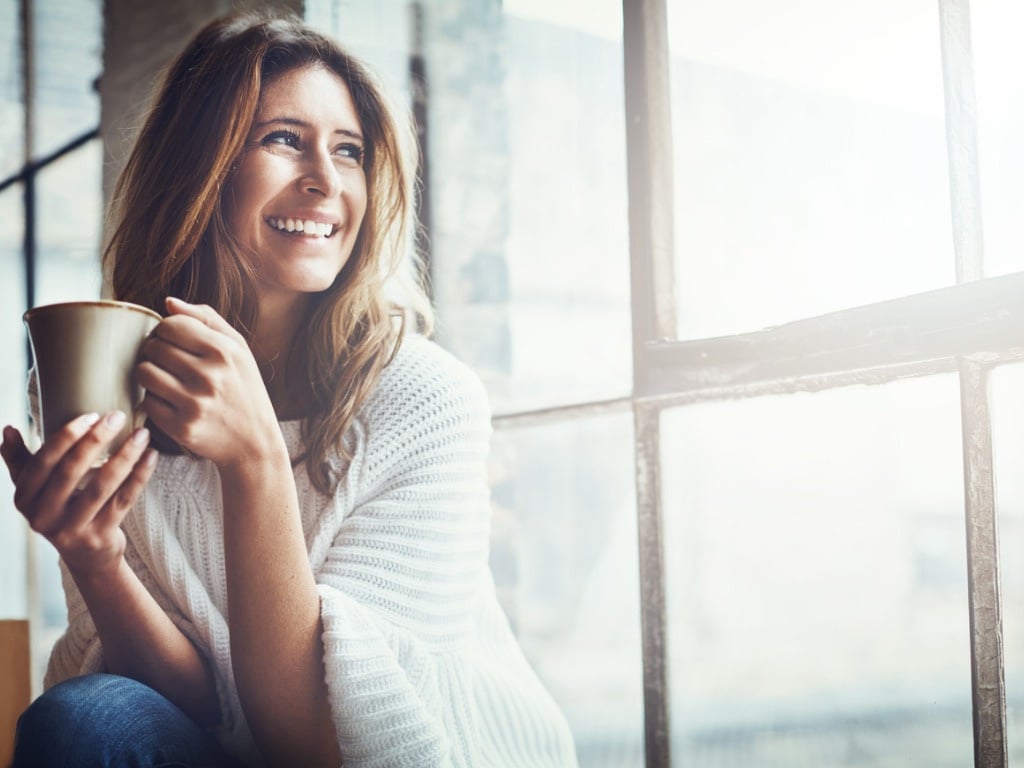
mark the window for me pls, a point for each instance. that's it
(819, 601)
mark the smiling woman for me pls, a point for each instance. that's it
(321, 466)
(302, 166)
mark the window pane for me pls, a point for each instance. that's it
(13, 573)
(67, 58)
(70, 214)
(998, 59)
(564, 556)
(526, 138)
(810, 159)
(817, 579)
(378, 32)
(1008, 456)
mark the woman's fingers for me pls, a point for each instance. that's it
(204, 313)
(77, 506)
(104, 483)
(35, 471)
(117, 506)
(160, 383)
(14, 452)
(183, 364)
(161, 412)
(196, 329)
(46, 508)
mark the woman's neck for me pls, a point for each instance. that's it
(281, 361)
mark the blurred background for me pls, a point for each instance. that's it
(816, 602)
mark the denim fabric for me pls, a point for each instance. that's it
(107, 721)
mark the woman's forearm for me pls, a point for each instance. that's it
(140, 641)
(276, 646)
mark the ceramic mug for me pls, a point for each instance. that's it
(85, 354)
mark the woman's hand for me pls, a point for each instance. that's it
(204, 388)
(76, 508)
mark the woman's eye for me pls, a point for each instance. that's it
(352, 152)
(285, 138)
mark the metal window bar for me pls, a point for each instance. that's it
(646, 67)
(988, 689)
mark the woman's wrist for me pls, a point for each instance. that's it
(99, 578)
(259, 461)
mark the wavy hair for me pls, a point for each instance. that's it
(169, 235)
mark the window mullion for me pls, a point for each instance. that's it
(961, 137)
(988, 686)
(653, 617)
(985, 604)
(649, 174)
(650, 185)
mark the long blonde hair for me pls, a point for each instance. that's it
(169, 236)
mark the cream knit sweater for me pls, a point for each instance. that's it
(421, 665)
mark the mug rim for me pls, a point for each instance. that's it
(45, 308)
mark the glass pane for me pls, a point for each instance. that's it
(817, 598)
(525, 145)
(378, 32)
(67, 59)
(70, 214)
(998, 58)
(12, 126)
(13, 568)
(1008, 450)
(564, 556)
(810, 159)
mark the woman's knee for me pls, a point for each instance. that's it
(99, 716)
(83, 700)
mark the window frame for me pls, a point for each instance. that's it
(968, 328)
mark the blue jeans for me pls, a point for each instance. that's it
(106, 721)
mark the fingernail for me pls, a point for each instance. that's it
(150, 458)
(141, 436)
(80, 424)
(115, 419)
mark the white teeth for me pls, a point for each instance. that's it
(307, 226)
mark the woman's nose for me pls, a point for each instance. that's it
(321, 177)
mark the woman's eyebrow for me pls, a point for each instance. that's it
(303, 124)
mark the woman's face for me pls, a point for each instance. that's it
(298, 195)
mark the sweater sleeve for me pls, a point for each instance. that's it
(400, 585)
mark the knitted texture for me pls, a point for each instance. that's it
(421, 665)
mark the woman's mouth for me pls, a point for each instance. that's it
(306, 228)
